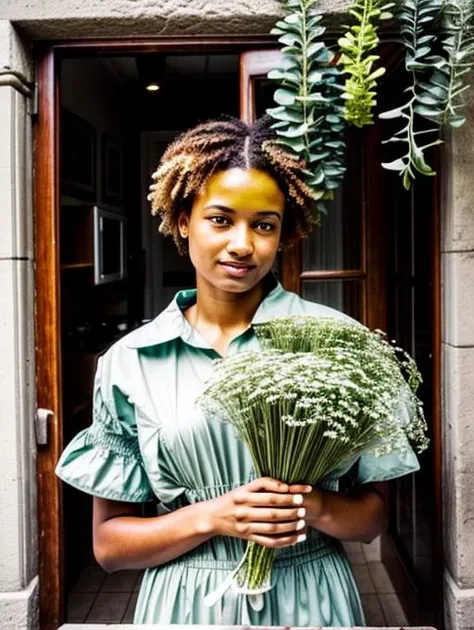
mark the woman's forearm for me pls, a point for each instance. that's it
(134, 542)
(351, 518)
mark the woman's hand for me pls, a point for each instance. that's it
(313, 503)
(265, 511)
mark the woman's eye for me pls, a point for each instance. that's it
(266, 227)
(219, 220)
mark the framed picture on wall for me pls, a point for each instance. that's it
(112, 170)
(78, 162)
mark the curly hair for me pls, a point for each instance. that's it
(219, 145)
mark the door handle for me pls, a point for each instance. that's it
(41, 425)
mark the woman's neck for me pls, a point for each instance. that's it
(219, 316)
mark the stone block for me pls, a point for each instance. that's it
(458, 185)
(458, 298)
(14, 50)
(458, 463)
(18, 544)
(16, 221)
(19, 610)
(6, 112)
(458, 405)
(458, 605)
(122, 18)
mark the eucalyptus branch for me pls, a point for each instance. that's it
(309, 116)
(414, 16)
(357, 43)
(442, 95)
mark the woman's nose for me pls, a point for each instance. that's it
(240, 244)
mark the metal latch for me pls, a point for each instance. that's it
(41, 425)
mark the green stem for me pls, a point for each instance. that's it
(304, 86)
(256, 569)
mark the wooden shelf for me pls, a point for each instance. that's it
(77, 266)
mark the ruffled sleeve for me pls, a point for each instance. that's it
(104, 460)
(372, 467)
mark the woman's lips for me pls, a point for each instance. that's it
(237, 271)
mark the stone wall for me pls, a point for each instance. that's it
(18, 535)
(458, 372)
(124, 18)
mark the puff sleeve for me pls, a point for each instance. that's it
(104, 460)
(372, 468)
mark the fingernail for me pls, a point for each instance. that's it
(300, 525)
(301, 538)
(308, 488)
(298, 499)
(301, 513)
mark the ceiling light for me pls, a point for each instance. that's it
(153, 87)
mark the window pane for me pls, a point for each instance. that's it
(343, 295)
(335, 243)
(264, 91)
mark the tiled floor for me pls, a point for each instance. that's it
(101, 598)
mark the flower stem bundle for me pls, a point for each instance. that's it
(319, 393)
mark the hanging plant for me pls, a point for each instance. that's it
(442, 96)
(309, 116)
(358, 60)
(313, 101)
(437, 76)
(419, 40)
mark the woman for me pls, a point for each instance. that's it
(231, 198)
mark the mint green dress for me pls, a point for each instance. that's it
(148, 441)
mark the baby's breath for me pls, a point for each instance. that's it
(319, 393)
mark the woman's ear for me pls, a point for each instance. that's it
(183, 224)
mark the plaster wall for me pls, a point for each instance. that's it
(458, 372)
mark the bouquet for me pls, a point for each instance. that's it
(319, 393)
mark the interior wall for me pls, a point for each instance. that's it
(90, 92)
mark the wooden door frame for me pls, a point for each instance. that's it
(47, 282)
(48, 348)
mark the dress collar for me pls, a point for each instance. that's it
(171, 323)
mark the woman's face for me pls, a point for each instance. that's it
(234, 229)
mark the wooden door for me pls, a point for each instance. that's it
(48, 346)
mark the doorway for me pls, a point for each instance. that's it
(106, 119)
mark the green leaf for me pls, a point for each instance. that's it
(314, 48)
(457, 121)
(290, 39)
(285, 114)
(295, 132)
(392, 113)
(427, 112)
(406, 180)
(397, 165)
(283, 96)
